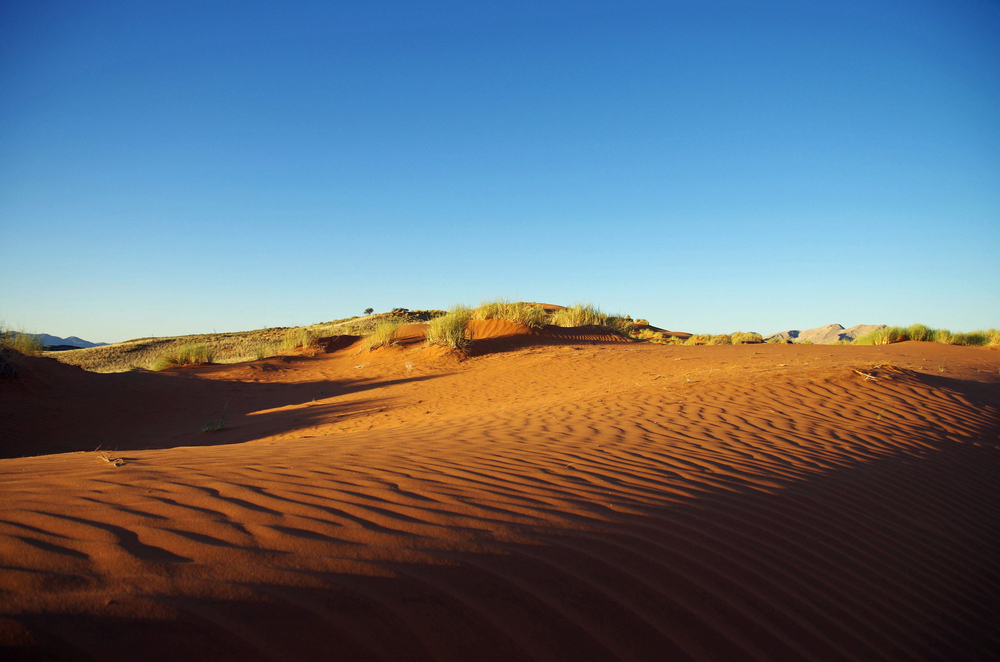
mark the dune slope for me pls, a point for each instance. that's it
(578, 499)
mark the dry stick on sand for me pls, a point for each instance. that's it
(107, 457)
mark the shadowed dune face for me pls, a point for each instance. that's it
(583, 500)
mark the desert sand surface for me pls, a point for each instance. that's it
(553, 496)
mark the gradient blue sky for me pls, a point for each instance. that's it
(174, 167)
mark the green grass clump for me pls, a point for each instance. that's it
(587, 315)
(529, 314)
(382, 333)
(921, 333)
(185, 355)
(451, 329)
(884, 336)
(778, 340)
(746, 338)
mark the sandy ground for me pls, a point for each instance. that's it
(554, 497)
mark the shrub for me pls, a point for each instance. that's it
(746, 338)
(381, 335)
(184, 355)
(778, 340)
(532, 315)
(451, 329)
(721, 339)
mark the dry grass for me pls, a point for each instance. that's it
(13, 346)
(382, 333)
(18, 341)
(529, 314)
(587, 315)
(451, 329)
(746, 338)
(185, 355)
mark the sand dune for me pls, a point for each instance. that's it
(554, 497)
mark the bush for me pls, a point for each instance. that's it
(185, 355)
(746, 338)
(451, 329)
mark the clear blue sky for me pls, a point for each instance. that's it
(170, 168)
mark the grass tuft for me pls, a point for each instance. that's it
(587, 315)
(746, 338)
(185, 355)
(529, 314)
(297, 337)
(382, 333)
(451, 329)
(884, 336)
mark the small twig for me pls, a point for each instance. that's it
(867, 376)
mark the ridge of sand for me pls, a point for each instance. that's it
(583, 500)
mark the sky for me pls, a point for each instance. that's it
(170, 168)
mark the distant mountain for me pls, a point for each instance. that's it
(827, 335)
(71, 342)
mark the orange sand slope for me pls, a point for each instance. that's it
(568, 499)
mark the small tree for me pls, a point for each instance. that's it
(369, 311)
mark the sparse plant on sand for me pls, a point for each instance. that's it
(381, 335)
(215, 426)
(746, 338)
(451, 329)
(108, 456)
(185, 355)
(529, 314)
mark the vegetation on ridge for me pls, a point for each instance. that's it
(921, 333)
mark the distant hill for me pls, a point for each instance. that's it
(827, 335)
(53, 342)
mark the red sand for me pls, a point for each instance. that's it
(555, 497)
